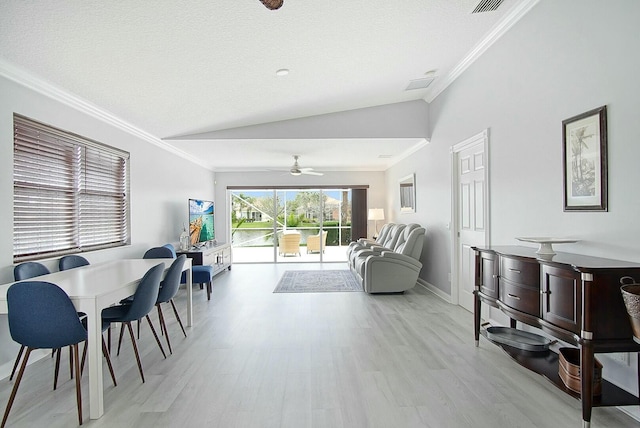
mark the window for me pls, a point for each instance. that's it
(70, 194)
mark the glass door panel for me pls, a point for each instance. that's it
(252, 224)
(291, 225)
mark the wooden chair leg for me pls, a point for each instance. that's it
(153, 330)
(15, 387)
(78, 388)
(15, 365)
(163, 326)
(120, 339)
(135, 349)
(70, 363)
(57, 369)
(175, 311)
(105, 352)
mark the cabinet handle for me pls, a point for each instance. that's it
(513, 296)
(514, 270)
(495, 276)
(545, 292)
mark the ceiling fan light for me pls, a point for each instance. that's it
(272, 4)
(294, 172)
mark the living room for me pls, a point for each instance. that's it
(557, 61)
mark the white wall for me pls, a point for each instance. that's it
(563, 58)
(161, 184)
(375, 195)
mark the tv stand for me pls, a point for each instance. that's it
(219, 256)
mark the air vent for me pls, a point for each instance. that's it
(419, 83)
(487, 6)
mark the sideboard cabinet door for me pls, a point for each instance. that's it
(561, 293)
(489, 274)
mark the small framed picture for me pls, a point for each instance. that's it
(584, 166)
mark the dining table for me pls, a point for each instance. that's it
(97, 286)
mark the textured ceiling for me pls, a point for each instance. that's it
(175, 68)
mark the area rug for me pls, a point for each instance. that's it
(317, 281)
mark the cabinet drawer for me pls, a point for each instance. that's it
(520, 271)
(209, 258)
(524, 299)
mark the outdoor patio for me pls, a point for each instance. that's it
(266, 255)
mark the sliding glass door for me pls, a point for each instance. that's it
(290, 225)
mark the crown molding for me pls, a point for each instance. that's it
(509, 20)
(43, 87)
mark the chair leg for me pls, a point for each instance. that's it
(153, 330)
(135, 349)
(70, 363)
(57, 369)
(15, 365)
(78, 388)
(120, 339)
(175, 311)
(163, 326)
(15, 387)
(209, 290)
(105, 352)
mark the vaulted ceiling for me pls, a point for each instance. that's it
(185, 73)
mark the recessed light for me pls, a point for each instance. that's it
(282, 72)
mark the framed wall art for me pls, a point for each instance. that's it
(584, 156)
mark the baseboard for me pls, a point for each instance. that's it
(435, 290)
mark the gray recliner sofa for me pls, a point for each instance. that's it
(391, 269)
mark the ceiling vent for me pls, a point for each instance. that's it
(487, 6)
(419, 83)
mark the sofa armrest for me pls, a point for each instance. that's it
(390, 255)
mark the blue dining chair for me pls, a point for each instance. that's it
(159, 253)
(56, 325)
(168, 289)
(201, 274)
(28, 270)
(71, 262)
(143, 302)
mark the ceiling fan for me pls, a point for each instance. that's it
(296, 170)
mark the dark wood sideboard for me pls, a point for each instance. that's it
(571, 297)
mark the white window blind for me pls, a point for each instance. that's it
(70, 194)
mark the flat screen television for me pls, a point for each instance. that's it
(200, 221)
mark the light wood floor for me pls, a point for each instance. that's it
(258, 359)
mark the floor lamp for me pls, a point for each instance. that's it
(376, 214)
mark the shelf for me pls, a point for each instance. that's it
(546, 364)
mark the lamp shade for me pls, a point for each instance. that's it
(376, 214)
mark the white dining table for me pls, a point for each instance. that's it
(93, 288)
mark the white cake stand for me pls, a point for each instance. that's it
(545, 243)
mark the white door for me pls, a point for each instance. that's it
(471, 203)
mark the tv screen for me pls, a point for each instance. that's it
(200, 221)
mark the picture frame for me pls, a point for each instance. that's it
(584, 161)
(408, 194)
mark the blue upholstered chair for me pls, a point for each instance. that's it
(28, 270)
(56, 325)
(168, 289)
(143, 302)
(159, 253)
(201, 274)
(71, 262)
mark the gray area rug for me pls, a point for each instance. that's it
(317, 281)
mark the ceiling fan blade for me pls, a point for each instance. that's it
(309, 172)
